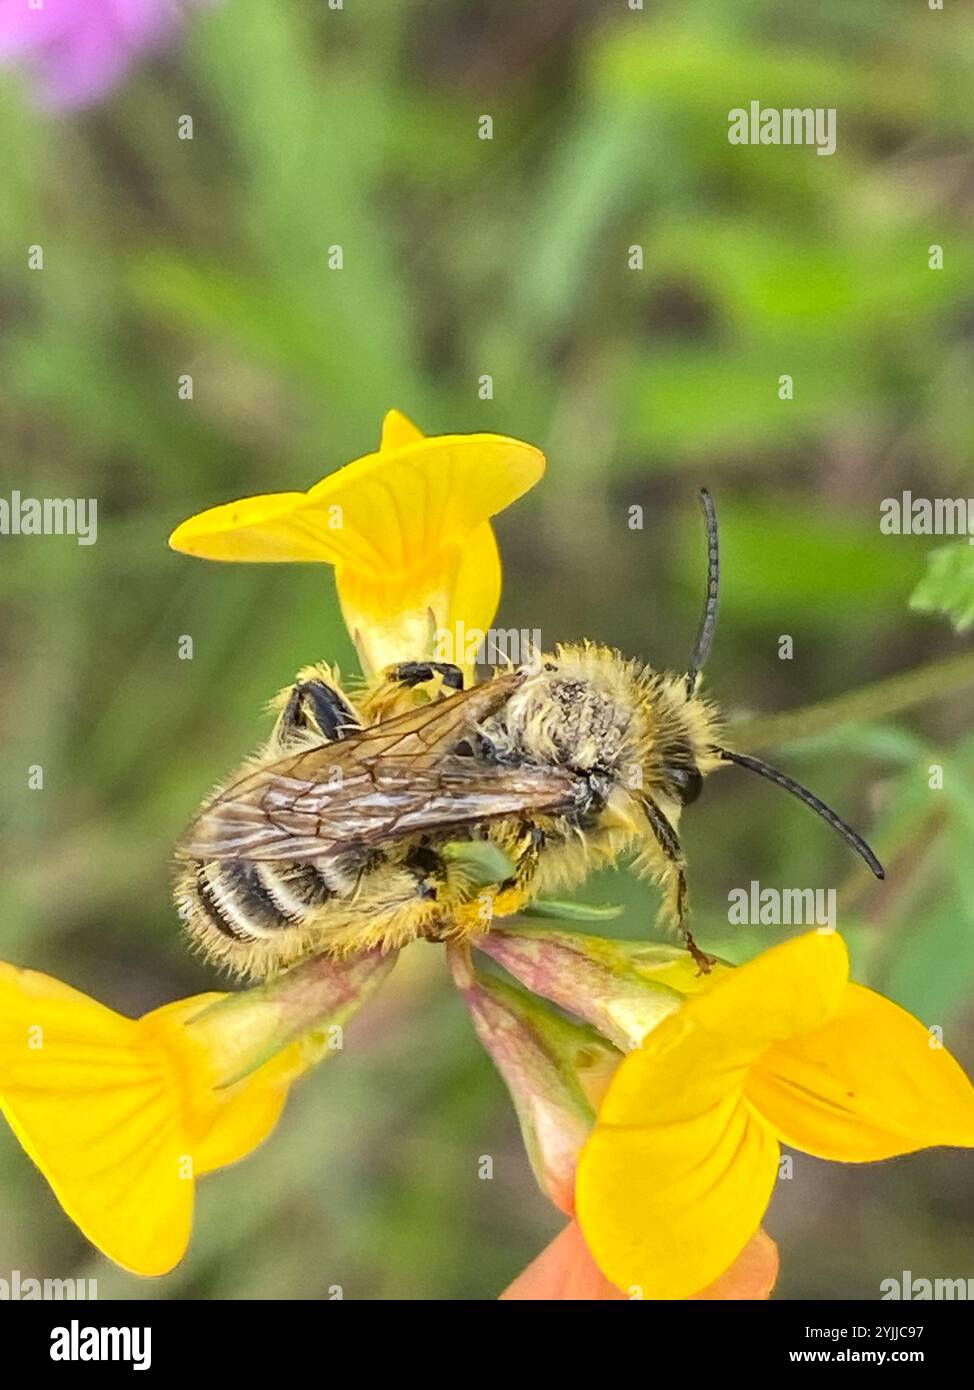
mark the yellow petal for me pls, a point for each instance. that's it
(406, 529)
(398, 429)
(442, 608)
(390, 512)
(221, 1124)
(869, 1083)
(678, 1172)
(476, 591)
(712, 1041)
(666, 1210)
(94, 1110)
(266, 528)
(416, 555)
(120, 1115)
(402, 505)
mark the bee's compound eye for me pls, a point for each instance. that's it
(687, 783)
(550, 666)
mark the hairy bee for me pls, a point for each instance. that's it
(348, 830)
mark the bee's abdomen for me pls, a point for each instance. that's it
(246, 901)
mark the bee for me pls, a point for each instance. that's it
(356, 825)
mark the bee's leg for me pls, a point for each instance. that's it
(527, 854)
(669, 843)
(429, 871)
(412, 673)
(316, 707)
(391, 694)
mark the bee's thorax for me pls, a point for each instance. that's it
(614, 720)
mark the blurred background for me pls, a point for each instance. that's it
(510, 257)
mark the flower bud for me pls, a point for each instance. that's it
(242, 1031)
(623, 988)
(556, 1072)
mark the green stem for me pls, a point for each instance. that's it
(876, 701)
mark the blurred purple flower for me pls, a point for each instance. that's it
(77, 50)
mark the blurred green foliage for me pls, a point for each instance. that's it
(509, 257)
(948, 586)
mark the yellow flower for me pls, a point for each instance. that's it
(121, 1115)
(407, 530)
(677, 1174)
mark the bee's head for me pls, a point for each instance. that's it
(684, 746)
(686, 782)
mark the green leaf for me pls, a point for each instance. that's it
(933, 971)
(948, 585)
(887, 742)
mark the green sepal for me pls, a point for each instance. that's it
(555, 910)
(477, 863)
(622, 988)
(555, 1069)
(246, 1029)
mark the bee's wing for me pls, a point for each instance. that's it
(390, 780)
(295, 819)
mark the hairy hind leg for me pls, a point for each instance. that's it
(675, 879)
(392, 692)
(316, 705)
(418, 672)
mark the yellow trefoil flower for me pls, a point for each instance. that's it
(676, 1176)
(407, 529)
(122, 1115)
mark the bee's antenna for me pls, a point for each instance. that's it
(796, 789)
(708, 622)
